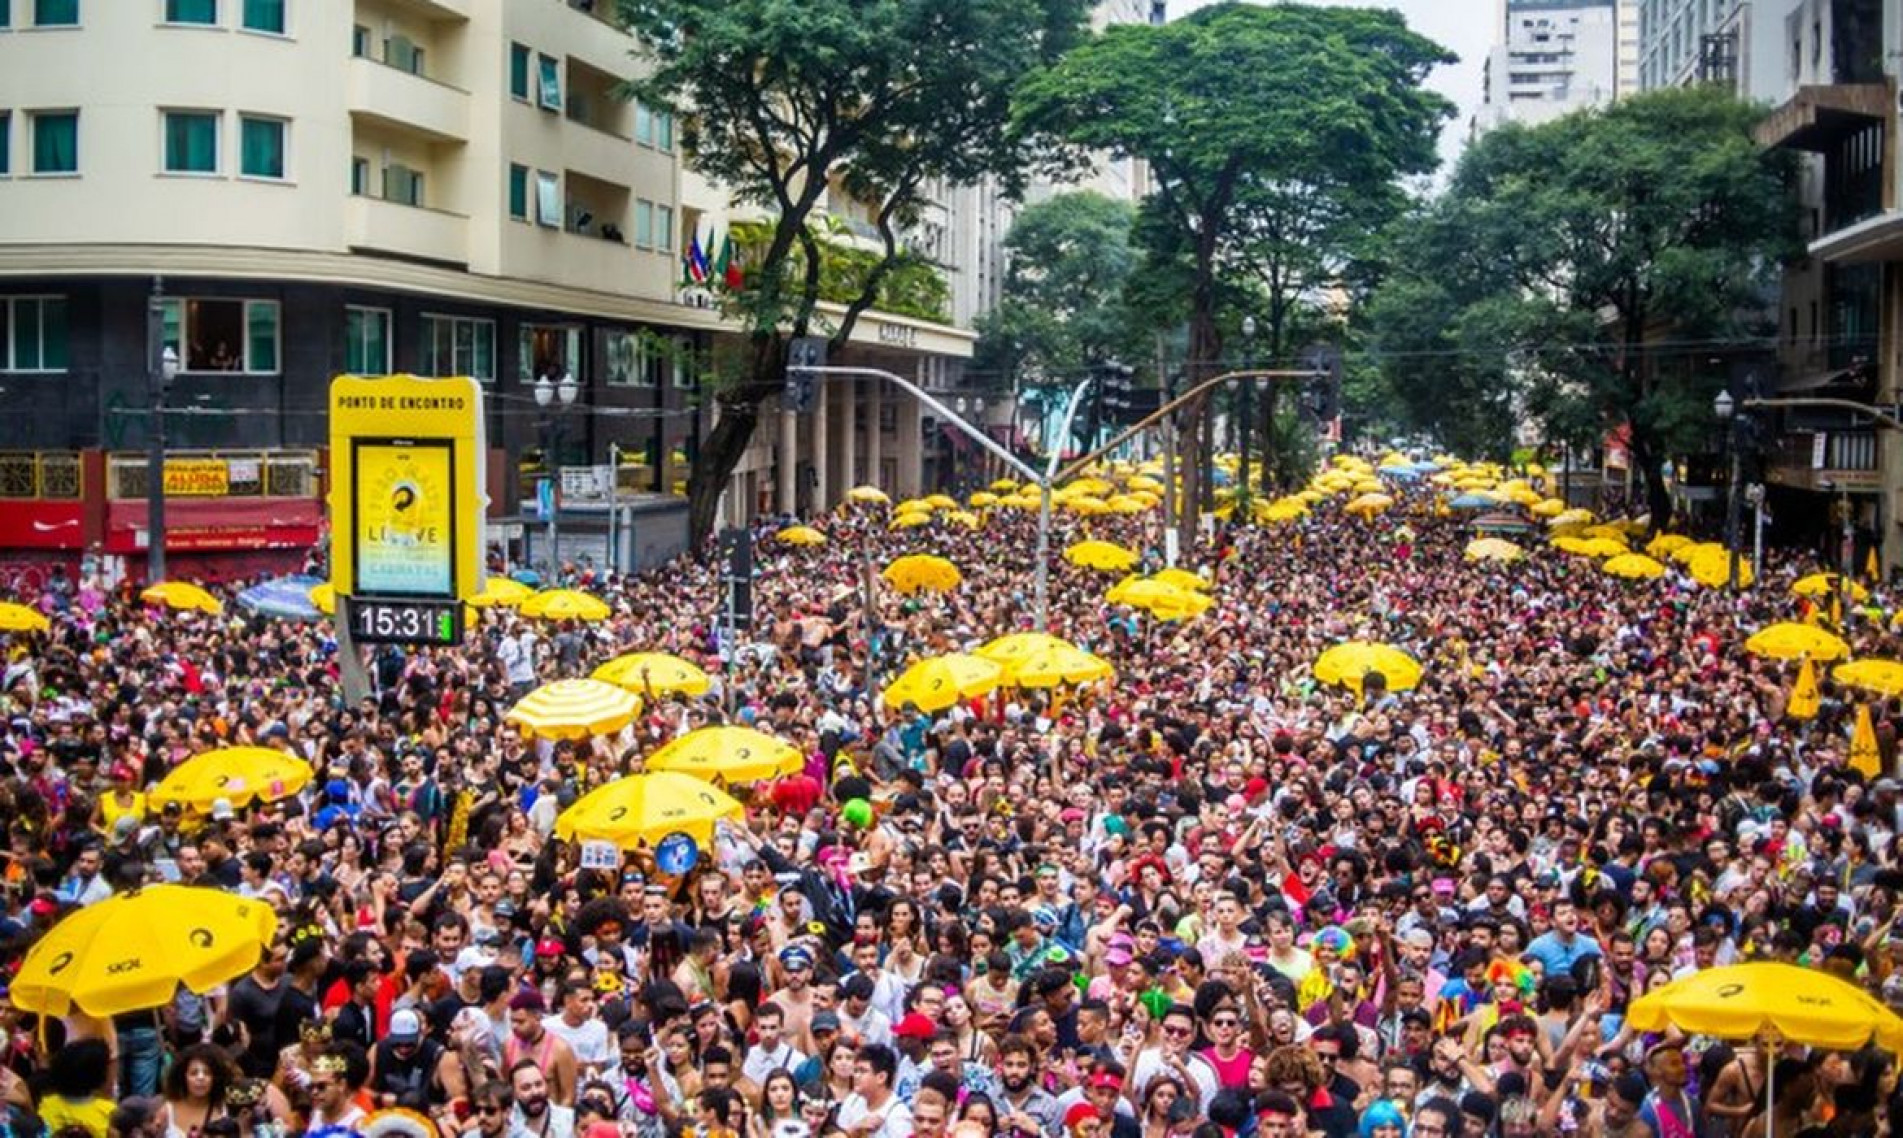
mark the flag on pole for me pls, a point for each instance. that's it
(695, 262)
(1805, 697)
(1864, 756)
(727, 266)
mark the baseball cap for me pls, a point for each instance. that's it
(825, 1021)
(548, 946)
(405, 1027)
(915, 1025)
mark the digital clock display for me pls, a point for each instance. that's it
(375, 620)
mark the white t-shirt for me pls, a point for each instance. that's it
(898, 1117)
(592, 1043)
(761, 1063)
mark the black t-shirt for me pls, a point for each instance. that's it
(410, 1079)
(256, 1007)
(295, 1007)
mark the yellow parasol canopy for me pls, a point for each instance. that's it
(497, 592)
(1879, 677)
(1633, 567)
(324, 598)
(801, 535)
(19, 618)
(983, 499)
(939, 682)
(655, 672)
(1015, 646)
(182, 596)
(565, 604)
(132, 951)
(1158, 598)
(1823, 585)
(1049, 667)
(1788, 640)
(1369, 504)
(910, 519)
(1589, 546)
(1102, 555)
(238, 775)
(1181, 578)
(1004, 486)
(1346, 664)
(922, 571)
(1665, 543)
(871, 494)
(1493, 549)
(645, 808)
(941, 501)
(1768, 1000)
(730, 754)
(574, 709)
(1712, 568)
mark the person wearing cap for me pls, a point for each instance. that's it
(795, 997)
(1083, 1120)
(410, 1070)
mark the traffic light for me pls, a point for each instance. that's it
(1321, 391)
(1121, 401)
(802, 355)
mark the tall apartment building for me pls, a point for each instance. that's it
(1740, 43)
(1553, 57)
(299, 188)
(1629, 42)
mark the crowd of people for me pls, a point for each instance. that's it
(1211, 896)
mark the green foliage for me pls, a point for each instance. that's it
(910, 285)
(1558, 250)
(1062, 304)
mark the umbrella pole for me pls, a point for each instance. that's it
(1770, 1077)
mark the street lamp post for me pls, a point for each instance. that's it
(1247, 413)
(553, 397)
(1726, 409)
(161, 370)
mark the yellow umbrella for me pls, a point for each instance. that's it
(1014, 646)
(1691, 551)
(574, 709)
(939, 682)
(1879, 677)
(1086, 505)
(132, 951)
(1788, 640)
(655, 672)
(1664, 544)
(964, 518)
(20, 618)
(941, 501)
(565, 604)
(1127, 503)
(983, 499)
(1144, 482)
(1493, 549)
(238, 775)
(1368, 505)
(1773, 1003)
(730, 754)
(1181, 578)
(324, 597)
(922, 571)
(1589, 546)
(1634, 567)
(1608, 531)
(1093, 487)
(1347, 663)
(1572, 517)
(497, 592)
(1825, 585)
(801, 535)
(1285, 510)
(913, 506)
(645, 808)
(182, 596)
(1004, 486)
(1712, 569)
(867, 494)
(1158, 598)
(1104, 555)
(910, 519)
(1050, 666)
(1549, 508)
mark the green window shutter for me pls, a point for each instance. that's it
(261, 334)
(53, 334)
(191, 11)
(264, 15)
(518, 71)
(191, 143)
(519, 192)
(262, 148)
(54, 13)
(56, 143)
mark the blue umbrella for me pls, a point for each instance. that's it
(1473, 502)
(527, 577)
(1400, 473)
(286, 598)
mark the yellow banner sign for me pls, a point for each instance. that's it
(197, 478)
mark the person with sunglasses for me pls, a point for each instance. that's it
(489, 1111)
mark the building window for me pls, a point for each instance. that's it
(519, 192)
(548, 83)
(33, 333)
(6, 140)
(402, 53)
(684, 378)
(551, 350)
(519, 71)
(261, 147)
(455, 345)
(55, 13)
(223, 335)
(643, 224)
(191, 11)
(624, 356)
(643, 124)
(367, 341)
(548, 199)
(360, 41)
(402, 185)
(6, 13)
(265, 16)
(191, 142)
(359, 176)
(663, 227)
(664, 130)
(56, 142)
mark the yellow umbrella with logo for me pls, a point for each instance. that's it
(1664, 544)
(1826, 585)
(182, 596)
(939, 682)
(645, 808)
(1015, 646)
(497, 592)
(800, 535)
(730, 754)
(565, 604)
(1878, 677)
(868, 494)
(1050, 666)
(1493, 549)
(1788, 640)
(19, 618)
(983, 499)
(132, 951)
(1181, 578)
(941, 501)
(574, 709)
(1712, 569)
(1158, 598)
(1348, 663)
(238, 775)
(658, 673)
(1106, 556)
(922, 572)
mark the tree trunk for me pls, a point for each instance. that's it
(1658, 501)
(1270, 396)
(719, 453)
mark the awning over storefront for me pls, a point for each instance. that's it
(1817, 116)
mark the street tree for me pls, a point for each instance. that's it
(1242, 112)
(1561, 255)
(785, 101)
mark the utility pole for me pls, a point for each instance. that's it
(1170, 536)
